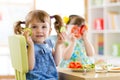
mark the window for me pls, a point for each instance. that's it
(10, 12)
(13, 10)
(61, 7)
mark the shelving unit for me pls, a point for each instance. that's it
(103, 20)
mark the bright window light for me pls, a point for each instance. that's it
(61, 7)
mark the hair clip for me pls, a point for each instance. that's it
(22, 22)
(65, 19)
(51, 17)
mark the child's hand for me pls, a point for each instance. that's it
(61, 37)
(26, 33)
(72, 37)
(84, 36)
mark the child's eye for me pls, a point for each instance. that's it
(34, 27)
(44, 26)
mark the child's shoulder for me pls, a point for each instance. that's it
(50, 42)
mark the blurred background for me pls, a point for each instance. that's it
(102, 16)
(12, 11)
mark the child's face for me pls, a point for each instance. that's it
(75, 30)
(40, 31)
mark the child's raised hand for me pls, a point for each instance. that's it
(61, 37)
(84, 36)
(72, 37)
(27, 33)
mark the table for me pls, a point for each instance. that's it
(67, 74)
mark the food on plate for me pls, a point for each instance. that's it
(78, 66)
(75, 65)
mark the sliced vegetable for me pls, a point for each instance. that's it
(75, 65)
(62, 29)
(28, 29)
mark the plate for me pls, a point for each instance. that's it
(114, 69)
(79, 69)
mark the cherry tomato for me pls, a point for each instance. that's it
(78, 65)
(75, 65)
(71, 65)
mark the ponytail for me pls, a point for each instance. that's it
(58, 23)
(18, 28)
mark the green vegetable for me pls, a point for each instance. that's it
(28, 29)
(62, 29)
(66, 43)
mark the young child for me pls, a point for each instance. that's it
(42, 58)
(83, 48)
(68, 42)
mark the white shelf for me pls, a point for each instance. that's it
(104, 40)
(105, 31)
(112, 4)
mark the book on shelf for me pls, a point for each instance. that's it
(99, 44)
(99, 24)
(97, 2)
(113, 20)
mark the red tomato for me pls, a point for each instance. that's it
(71, 65)
(75, 65)
(78, 65)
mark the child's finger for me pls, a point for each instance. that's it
(62, 36)
(26, 34)
(64, 33)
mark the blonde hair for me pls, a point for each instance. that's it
(38, 15)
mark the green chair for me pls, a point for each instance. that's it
(19, 57)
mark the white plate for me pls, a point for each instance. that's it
(114, 69)
(79, 70)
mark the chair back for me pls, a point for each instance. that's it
(19, 57)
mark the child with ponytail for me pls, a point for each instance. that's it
(42, 57)
(79, 48)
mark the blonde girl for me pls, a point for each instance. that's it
(42, 57)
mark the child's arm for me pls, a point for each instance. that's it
(65, 52)
(68, 50)
(61, 50)
(31, 57)
(88, 46)
(30, 50)
(57, 53)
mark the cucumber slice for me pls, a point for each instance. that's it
(28, 29)
(62, 29)
(66, 43)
